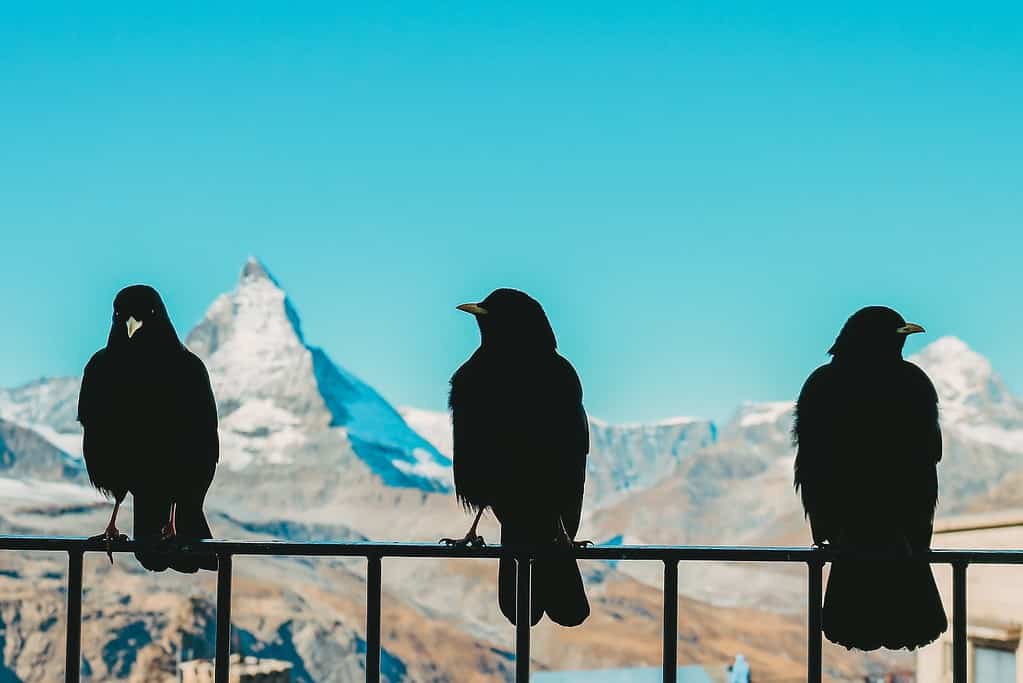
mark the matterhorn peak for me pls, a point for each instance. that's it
(277, 395)
(255, 270)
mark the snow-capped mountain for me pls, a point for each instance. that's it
(49, 407)
(274, 391)
(975, 401)
(627, 457)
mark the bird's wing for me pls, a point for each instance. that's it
(571, 431)
(200, 413)
(471, 430)
(922, 449)
(926, 397)
(100, 448)
(812, 433)
(94, 390)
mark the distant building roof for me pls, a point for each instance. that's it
(243, 666)
(686, 674)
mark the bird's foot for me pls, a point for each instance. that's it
(470, 540)
(168, 532)
(565, 541)
(109, 536)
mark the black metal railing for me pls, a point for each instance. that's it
(813, 558)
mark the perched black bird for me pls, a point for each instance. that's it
(521, 440)
(866, 467)
(150, 424)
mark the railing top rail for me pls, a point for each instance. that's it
(790, 554)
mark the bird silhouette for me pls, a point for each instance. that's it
(150, 428)
(866, 469)
(520, 443)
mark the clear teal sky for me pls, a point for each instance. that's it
(699, 193)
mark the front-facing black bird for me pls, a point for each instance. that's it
(520, 443)
(866, 467)
(150, 427)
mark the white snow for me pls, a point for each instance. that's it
(58, 493)
(432, 425)
(47, 406)
(956, 370)
(259, 429)
(424, 466)
(764, 413)
(69, 443)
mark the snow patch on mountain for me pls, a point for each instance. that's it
(377, 432)
(433, 425)
(753, 414)
(49, 407)
(36, 492)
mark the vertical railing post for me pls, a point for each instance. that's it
(959, 622)
(222, 666)
(523, 617)
(669, 648)
(373, 620)
(814, 598)
(73, 646)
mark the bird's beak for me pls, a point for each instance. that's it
(475, 309)
(910, 328)
(133, 326)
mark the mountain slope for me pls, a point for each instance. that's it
(49, 407)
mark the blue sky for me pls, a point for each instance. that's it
(699, 193)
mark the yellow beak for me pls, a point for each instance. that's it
(475, 309)
(910, 328)
(133, 326)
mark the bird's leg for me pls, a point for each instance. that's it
(170, 529)
(564, 539)
(111, 534)
(471, 538)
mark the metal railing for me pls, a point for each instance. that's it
(813, 558)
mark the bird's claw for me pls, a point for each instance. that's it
(465, 542)
(168, 533)
(564, 541)
(109, 536)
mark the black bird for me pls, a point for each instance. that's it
(866, 467)
(520, 443)
(150, 427)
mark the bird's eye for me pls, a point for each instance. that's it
(152, 311)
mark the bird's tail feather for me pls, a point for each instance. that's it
(557, 587)
(507, 592)
(895, 605)
(192, 526)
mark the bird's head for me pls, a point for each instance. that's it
(873, 332)
(140, 319)
(512, 319)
